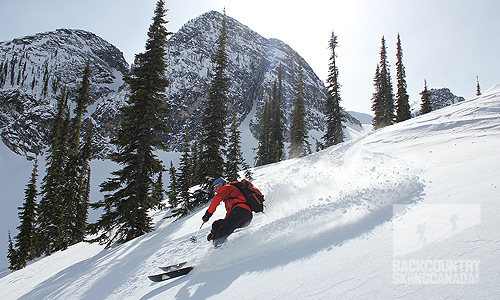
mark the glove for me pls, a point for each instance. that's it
(206, 216)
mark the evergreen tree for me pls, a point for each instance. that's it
(425, 106)
(383, 98)
(333, 112)
(82, 207)
(248, 173)
(2, 75)
(184, 183)
(45, 79)
(196, 165)
(478, 87)
(50, 209)
(13, 71)
(263, 151)
(75, 206)
(271, 139)
(213, 121)
(277, 121)
(129, 194)
(402, 99)
(299, 146)
(27, 236)
(172, 187)
(158, 192)
(235, 161)
(377, 100)
(12, 256)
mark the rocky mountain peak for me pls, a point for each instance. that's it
(253, 67)
(33, 70)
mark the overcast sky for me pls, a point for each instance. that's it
(446, 42)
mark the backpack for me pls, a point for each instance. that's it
(255, 199)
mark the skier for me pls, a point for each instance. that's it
(238, 213)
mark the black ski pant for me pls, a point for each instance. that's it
(238, 218)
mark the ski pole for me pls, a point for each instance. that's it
(194, 237)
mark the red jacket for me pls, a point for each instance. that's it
(232, 198)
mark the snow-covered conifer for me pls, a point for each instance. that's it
(333, 112)
(402, 99)
(128, 195)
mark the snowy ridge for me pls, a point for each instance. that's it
(330, 227)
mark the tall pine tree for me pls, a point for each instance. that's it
(197, 166)
(277, 137)
(383, 98)
(50, 209)
(185, 199)
(129, 195)
(425, 105)
(82, 207)
(377, 100)
(235, 161)
(299, 146)
(75, 210)
(158, 192)
(213, 121)
(402, 99)
(264, 148)
(478, 87)
(172, 186)
(271, 137)
(27, 236)
(333, 112)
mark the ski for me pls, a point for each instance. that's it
(171, 274)
(173, 267)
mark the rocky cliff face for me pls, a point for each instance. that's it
(34, 69)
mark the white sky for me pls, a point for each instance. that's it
(447, 42)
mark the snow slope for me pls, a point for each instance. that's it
(367, 219)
